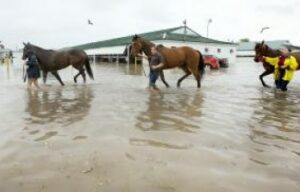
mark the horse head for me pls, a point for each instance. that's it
(260, 51)
(136, 45)
(27, 50)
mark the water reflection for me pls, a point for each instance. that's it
(274, 126)
(153, 143)
(6, 69)
(133, 69)
(63, 106)
(276, 110)
(171, 111)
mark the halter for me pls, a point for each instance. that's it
(143, 48)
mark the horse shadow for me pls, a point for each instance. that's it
(59, 106)
(168, 111)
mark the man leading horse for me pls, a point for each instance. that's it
(186, 58)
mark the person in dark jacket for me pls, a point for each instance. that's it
(33, 70)
(156, 63)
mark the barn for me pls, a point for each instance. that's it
(116, 50)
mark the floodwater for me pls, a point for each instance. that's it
(113, 135)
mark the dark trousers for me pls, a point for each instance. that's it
(280, 83)
(153, 76)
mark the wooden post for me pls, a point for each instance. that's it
(94, 60)
(135, 64)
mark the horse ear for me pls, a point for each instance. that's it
(24, 44)
(263, 42)
(135, 37)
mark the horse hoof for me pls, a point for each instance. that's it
(267, 86)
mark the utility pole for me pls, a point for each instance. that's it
(185, 29)
(208, 23)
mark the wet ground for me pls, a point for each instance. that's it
(113, 135)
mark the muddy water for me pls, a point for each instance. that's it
(113, 135)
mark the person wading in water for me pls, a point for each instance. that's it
(156, 63)
(33, 71)
(285, 66)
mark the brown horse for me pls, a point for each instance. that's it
(261, 50)
(186, 58)
(52, 61)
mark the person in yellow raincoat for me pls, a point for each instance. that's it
(285, 66)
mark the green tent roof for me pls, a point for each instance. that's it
(176, 34)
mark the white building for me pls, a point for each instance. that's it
(246, 49)
(115, 49)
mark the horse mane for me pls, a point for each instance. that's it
(160, 46)
(257, 45)
(135, 37)
(273, 52)
(40, 48)
(270, 52)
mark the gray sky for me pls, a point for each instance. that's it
(61, 23)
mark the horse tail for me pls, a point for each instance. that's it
(89, 69)
(201, 64)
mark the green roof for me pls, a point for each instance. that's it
(181, 33)
(277, 44)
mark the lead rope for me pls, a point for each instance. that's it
(24, 74)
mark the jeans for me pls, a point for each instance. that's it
(153, 76)
(280, 83)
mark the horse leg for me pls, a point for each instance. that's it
(76, 76)
(56, 75)
(196, 74)
(261, 77)
(45, 74)
(162, 77)
(82, 72)
(198, 78)
(187, 73)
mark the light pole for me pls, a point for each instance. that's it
(209, 22)
(264, 29)
(185, 31)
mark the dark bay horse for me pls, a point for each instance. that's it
(186, 58)
(52, 61)
(261, 49)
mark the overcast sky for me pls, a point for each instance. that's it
(61, 23)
